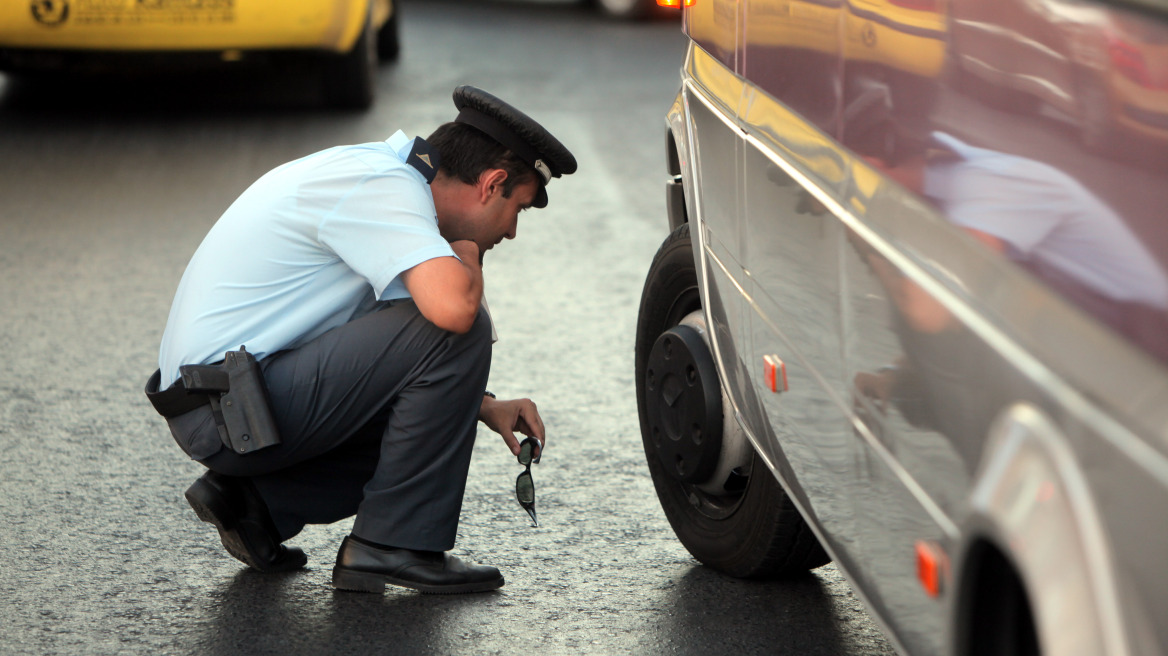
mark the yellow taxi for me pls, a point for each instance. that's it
(348, 35)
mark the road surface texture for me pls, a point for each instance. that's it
(108, 186)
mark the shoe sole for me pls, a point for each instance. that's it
(211, 509)
(208, 509)
(357, 581)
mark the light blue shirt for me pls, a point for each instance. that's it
(310, 246)
(1047, 215)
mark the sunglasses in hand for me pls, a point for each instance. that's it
(524, 485)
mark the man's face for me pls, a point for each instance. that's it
(499, 217)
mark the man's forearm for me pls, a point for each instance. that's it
(447, 290)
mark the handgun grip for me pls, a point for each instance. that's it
(204, 378)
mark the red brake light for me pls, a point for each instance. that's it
(1129, 62)
(676, 4)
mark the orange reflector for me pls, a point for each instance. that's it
(676, 4)
(775, 373)
(931, 567)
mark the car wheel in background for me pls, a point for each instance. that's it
(350, 80)
(629, 9)
(746, 526)
(389, 36)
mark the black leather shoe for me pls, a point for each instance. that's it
(364, 568)
(245, 528)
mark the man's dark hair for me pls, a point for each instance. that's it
(466, 152)
(889, 120)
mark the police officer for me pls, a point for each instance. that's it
(352, 280)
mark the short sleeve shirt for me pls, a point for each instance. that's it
(311, 245)
(1044, 214)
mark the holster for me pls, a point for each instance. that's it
(236, 392)
(243, 411)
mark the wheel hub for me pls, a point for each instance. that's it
(684, 404)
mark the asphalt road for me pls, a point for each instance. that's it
(107, 188)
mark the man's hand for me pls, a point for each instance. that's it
(506, 417)
(468, 252)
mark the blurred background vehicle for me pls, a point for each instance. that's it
(1105, 71)
(340, 40)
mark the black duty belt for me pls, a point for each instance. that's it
(236, 392)
(174, 400)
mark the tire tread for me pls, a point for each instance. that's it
(765, 537)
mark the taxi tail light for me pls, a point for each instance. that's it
(676, 4)
(1129, 62)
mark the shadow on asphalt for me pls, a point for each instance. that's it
(266, 614)
(706, 613)
(712, 613)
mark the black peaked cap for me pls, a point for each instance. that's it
(529, 140)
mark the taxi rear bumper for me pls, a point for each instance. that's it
(41, 60)
(183, 26)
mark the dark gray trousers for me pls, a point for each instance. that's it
(377, 418)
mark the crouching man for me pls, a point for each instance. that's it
(327, 351)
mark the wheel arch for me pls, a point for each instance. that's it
(994, 608)
(1032, 516)
(677, 166)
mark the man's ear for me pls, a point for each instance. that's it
(491, 183)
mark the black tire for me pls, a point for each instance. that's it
(755, 533)
(350, 81)
(389, 36)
